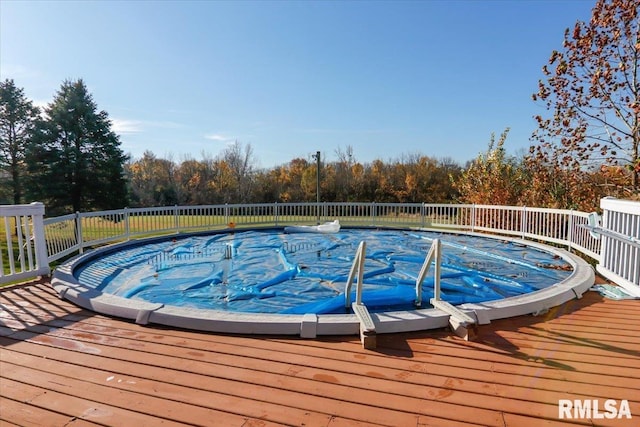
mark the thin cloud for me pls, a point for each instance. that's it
(216, 137)
(126, 126)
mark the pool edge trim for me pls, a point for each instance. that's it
(311, 325)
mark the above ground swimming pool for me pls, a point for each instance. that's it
(219, 276)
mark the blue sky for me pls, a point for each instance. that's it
(183, 78)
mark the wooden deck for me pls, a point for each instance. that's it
(64, 366)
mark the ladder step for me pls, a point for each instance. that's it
(366, 322)
(452, 311)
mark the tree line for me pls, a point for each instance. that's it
(493, 177)
(68, 157)
(586, 147)
(231, 177)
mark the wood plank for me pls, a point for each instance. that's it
(513, 376)
(463, 387)
(605, 379)
(169, 386)
(227, 354)
(126, 393)
(285, 390)
(75, 407)
(14, 413)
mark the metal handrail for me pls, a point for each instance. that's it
(434, 252)
(357, 266)
(596, 230)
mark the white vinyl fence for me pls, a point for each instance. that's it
(23, 252)
(52, 239)
(620, 253)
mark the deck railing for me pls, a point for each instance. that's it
(23, 254)
(620, 250)
(65, 235)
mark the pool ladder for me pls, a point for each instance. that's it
(367, 327)
(461, 323)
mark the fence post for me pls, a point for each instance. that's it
(473, 217)
(39, 240)
(570, 231)
(176, 219)
(604, 244)
(79, 237)
(373, 213)
(275, 213)
(127, 229)
(523, 222)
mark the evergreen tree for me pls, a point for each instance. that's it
(75, 161)
(17, 123)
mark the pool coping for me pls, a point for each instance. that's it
(312, 325)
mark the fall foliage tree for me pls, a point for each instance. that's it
(551, 184)
(413, 178)
(493, 177)
(194, 181)
(152, 181)
(591, 91)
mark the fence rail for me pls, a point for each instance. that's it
(620, 253)
(22, 255)
(51, 239)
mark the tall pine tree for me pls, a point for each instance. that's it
(75, 161)
(17, 123)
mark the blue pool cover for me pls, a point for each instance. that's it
(273, 272)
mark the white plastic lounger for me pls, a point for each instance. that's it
(327, 227)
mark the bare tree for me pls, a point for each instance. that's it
(240, 162)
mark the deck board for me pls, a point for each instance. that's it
(62, 365)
